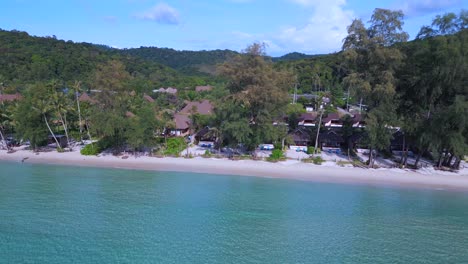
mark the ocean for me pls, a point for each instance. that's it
(59, 214)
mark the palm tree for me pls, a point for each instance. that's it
(44, 107)
(3, 119)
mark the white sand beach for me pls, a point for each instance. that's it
(290, 169)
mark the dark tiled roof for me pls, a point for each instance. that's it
(308, 116)
(331, 116)
(358, 118)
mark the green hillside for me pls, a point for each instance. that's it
(27, 59)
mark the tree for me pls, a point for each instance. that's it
(259, 92)
(30, 124)
(373, 59)
(113, 102)
(42, 104)
(140, 129)
(433, 76)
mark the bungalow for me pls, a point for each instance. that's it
(330, 139)
(182, 118)
(398, 140)
(62, 140)
(301, 136)
(182, 125)
(169, 90)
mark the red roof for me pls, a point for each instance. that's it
(84, 97)
(10, 97)
(203, 88)
(129, 114)
(148, 98)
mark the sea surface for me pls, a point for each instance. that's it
(56, 214)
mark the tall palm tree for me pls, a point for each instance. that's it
(61, 109)
(77, 90)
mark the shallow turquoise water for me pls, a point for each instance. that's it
(51, 214)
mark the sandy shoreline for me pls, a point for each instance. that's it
(288, 170)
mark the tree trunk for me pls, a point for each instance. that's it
(417, 159)
(371, 160)
(405, 160)
(3, 139)
(403, 151)
(65, 128)
(87, 131)
(456, 165)
(439, 163)
(449, 162)
(446, 159)
(318, 132)
(51, 132)
(79, 116)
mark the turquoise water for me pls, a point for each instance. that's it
(51, 214)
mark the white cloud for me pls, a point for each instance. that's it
(161, 13)
(323, 32)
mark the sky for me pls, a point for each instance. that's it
(307, 26)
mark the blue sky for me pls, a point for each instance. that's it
(309, 26)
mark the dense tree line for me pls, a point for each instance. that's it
(26, 59)
(419, 86)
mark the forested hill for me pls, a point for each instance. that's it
(196, 62)
(294, 56)
(27, 59)
(189, 62)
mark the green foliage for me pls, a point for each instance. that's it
(276, 155)
(91, 150)
(207, 154)
(311, 150)
(189, 62)
(258, 97)
(30, 59)
(317, 160)
(140, 129)
(175, 146)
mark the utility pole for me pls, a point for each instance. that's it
(295, 92)
(360, 106)
(347, 101)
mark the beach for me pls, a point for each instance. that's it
(290, 169)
